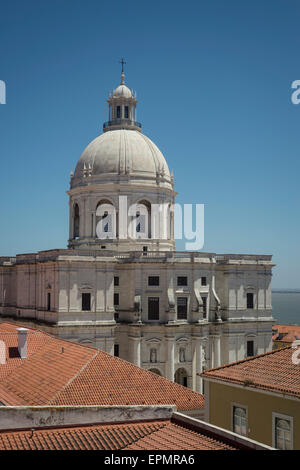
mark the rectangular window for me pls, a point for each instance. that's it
(118, 112)
(250, 303)
(126, 112)
(153, 308)
(116, 299)
(181, 281)
(283, 433)
(250, 348)
(203, 281)
(240, 420)
(86, 302)
(116, 281)
(204, 300)
(153, 281)
(48, 301)
(182, 308)
(116, 350)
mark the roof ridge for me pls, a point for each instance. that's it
(74, 377)
(247, 359)
(151, 432)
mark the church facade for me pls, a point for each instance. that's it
(121, 286)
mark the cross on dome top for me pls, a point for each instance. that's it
(122, 61)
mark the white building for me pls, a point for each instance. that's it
(121, 285)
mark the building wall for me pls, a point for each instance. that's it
(204, 342)
(219, 399)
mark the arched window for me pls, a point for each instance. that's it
(181, 376)
(140, 220)
(240, 420)
(105, 220)
(76, 221)
(283, 434)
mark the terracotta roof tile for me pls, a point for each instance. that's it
(286, 333)
(273, 371)
(60, 372)
(147, 435)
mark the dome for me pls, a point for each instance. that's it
(122, 92)
(122, 152)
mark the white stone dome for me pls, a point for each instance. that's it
(119, 153)
(122, 91)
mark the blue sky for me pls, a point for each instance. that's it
(213, 80)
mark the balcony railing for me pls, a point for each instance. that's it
(120, 122)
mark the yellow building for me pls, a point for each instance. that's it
(258, 397)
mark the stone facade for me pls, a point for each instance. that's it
(121, 286)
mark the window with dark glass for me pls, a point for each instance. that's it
(250, 348)
(116, 281)
(116, 350)
(204, 300)
(153, 308)
(250, 303)
(48, 301)
(86, 301)
(76, 221)
(126, 112)
(145, 249)
(118, 112)
(116, 298)
(203, 281)
(153, 281)
(182, 308)
(182, 281)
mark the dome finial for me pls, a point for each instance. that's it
(122, 61)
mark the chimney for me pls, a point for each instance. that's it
(22, 342)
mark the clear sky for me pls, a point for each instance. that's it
(213, 80)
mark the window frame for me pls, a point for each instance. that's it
(116, 295)
(182, 277)
(252, 302)
(289, 418)
(205, 301)
(116, 348)
(253, 347)
(148, 300)
(244, 407)
(187, 309)
(153, 277)
(48, 301)
(90, 302)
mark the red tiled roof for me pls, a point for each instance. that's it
(60, 372)
(175, 437)
(274, 371)
(286, 333)
(148, 435)
(36, 339)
